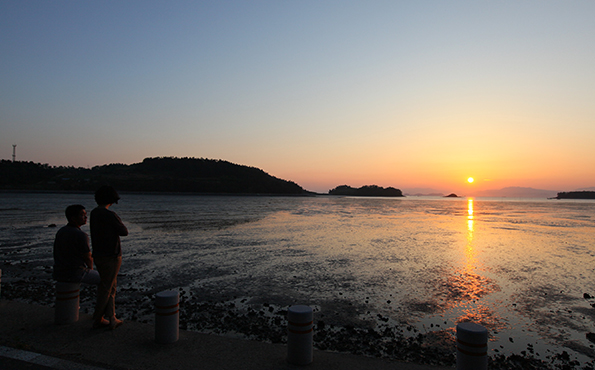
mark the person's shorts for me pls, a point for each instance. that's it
(91, 277)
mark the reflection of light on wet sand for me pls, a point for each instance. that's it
(461, 290)
(465, 287)
(484, 316)
(469, 221)
(470, 259)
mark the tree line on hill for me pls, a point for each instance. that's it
(159, 174)
(576, 195)
(164, 174)
(366, 191)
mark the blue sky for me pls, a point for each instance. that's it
(323, 93)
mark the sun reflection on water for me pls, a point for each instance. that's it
(460, 291)
(465, 288)
(469, 250)
(470, 219)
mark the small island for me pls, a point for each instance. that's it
(366, 191)
(451, 195)
(576, 195)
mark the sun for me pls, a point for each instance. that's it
(470, 180)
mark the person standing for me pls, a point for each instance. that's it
(106, 229)
(73, 262)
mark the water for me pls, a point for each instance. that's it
(518, 267)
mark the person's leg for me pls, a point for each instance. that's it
(108, 271)
(102, 291)
(111, 303)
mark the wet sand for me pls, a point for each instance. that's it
(255, 320)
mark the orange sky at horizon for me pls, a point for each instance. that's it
(402, 94)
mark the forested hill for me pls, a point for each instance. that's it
(163, 174)
(366, 191)
(576, 195)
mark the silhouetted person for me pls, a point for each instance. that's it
(72, 256)
(106, 229)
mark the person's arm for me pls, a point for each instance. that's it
(84, 250)
(88, 260)
(119, 226)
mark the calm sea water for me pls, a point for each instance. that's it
(518, 267)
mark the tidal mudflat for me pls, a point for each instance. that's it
(386, 277)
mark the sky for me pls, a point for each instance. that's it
(409, 94)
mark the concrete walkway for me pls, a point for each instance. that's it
(30, 339)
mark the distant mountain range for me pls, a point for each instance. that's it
(592, 188)
(508, 192)
(422, 191)
(517, 192)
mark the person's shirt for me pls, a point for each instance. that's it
(71, 246)
(106, 229)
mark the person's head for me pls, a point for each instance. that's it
(106, 195)
(76, 214)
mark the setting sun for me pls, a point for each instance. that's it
(470, 180)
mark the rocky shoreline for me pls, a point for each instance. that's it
(254, 319)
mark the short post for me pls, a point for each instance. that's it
(167, 316)
(67, 303)
(300, 335)
(472, 346)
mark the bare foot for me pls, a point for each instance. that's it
(115, 323)
(103, 323)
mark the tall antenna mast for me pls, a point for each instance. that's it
(14, 152)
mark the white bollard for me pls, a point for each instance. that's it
(472, 346)
(67, 303)
(300, 335)
(167, 316)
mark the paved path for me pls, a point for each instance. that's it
(29, 339)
